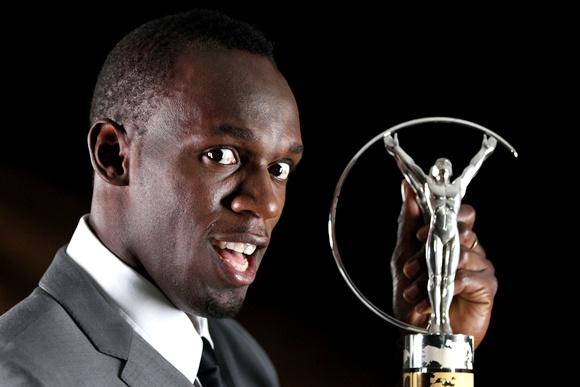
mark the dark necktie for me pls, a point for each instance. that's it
(209, 370)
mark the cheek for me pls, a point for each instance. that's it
(197, 196)
(195, 202)
(182, 199)
(281, 201)
(166, 207)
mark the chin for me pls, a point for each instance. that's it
(219, 309)
(226, 304)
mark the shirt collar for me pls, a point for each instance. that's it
(167, 329)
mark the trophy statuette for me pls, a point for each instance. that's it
(433, 356)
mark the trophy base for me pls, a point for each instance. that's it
(438, 360)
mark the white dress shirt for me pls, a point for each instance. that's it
(167, 329)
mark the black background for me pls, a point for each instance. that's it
(355, 71)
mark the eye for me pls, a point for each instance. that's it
(224, 156)
(280, 170)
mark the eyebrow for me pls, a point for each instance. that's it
(297, 148)
(247, 135)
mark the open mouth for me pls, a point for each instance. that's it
(237, 261)
(236, 254)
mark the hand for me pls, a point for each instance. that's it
(489, 143)
(475, 282)
(391, 143)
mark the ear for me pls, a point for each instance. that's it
(109, 151)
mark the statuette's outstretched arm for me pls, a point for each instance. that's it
(411, 171)
(487, 147)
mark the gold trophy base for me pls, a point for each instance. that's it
(438, 360)
(438, 379)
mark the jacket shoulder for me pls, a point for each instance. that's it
(25, 315)
(39, 340)
(14, 375)
(21, 330)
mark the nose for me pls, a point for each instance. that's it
(259, 195)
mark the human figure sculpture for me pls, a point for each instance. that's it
(440, 200)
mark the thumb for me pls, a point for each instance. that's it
(410, 219)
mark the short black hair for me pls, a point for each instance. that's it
(137, 68)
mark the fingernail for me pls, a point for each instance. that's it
(411, 292)
(411, 268)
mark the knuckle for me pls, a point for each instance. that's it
(467, 209)
(493, 285)
(490, 267)
(463, 230)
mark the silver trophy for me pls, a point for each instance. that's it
(435, 353)
(439, 199)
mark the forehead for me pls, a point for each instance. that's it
(212, 88)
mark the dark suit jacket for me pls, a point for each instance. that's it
(66, 334)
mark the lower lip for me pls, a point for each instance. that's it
(233, 276)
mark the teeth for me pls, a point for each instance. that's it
(239, 247)
(241, 266)
(245, 248)
(249, 249)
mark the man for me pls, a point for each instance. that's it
(193, 135)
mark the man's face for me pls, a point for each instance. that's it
(208, 178)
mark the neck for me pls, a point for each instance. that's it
(107, 221)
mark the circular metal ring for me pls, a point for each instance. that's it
(332, 217)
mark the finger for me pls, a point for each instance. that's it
(411, 268)
(466, 215)
(409, 222)
(476, 286)
(416, 291)
(423, 233)
(419, 319)
(410, 219)
(423, 307)
(467, 238)
(470, 260)
(415, 265)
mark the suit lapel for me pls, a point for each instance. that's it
(76, 291)
(145, 367)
